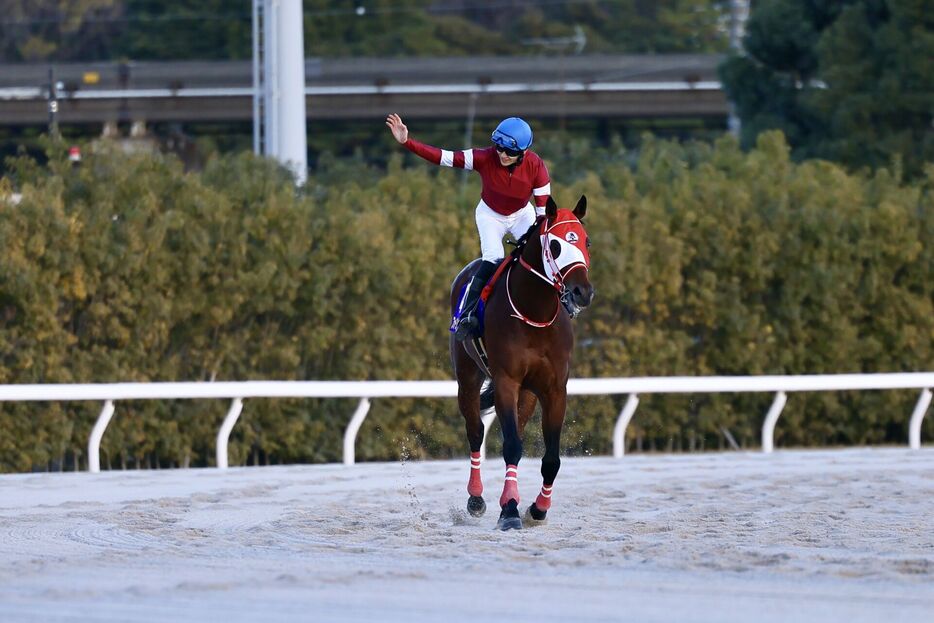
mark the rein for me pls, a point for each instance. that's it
(515, 310)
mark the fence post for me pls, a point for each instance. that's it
(622, 422)
(223, 435)
(768, 427)
(350, 435)
(917, 416)
(94, 441)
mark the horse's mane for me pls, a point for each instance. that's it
(524, 238)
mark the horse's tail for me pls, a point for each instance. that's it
(486, 395)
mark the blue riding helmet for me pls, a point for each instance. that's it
(513, 133)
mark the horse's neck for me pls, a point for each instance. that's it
(528, 287)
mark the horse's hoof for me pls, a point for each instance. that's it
(536, 513)
(509, 517)
(476, 506)
(509, 523)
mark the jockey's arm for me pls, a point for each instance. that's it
(442, 157)
(541, 190)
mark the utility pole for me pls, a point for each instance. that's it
(53, 104)
(578, 42)
(739, 13)
(257, 79)
(468, 133)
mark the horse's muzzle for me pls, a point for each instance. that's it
(582, 295)
(576, 298)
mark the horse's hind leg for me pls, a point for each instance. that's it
(553, 411)
(468, 400)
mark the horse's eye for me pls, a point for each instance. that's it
(588, 242)
(555, 247)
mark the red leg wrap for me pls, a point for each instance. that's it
(474, 485)
(511, 486)
(543, 501)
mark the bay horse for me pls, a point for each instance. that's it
(527, 338)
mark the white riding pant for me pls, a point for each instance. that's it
(493, 226)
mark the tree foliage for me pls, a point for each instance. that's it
(707, 260)
(850, 81)
(36, 30)
(219, 29)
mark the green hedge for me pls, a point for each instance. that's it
(706, 260)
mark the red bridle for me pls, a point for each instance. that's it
(560, 275)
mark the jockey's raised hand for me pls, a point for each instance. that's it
(399, 131)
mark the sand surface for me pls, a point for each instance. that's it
(835, 535)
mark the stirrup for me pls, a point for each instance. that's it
(466, 327)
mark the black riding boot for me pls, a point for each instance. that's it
(469, 322)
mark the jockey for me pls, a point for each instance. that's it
(511, 176)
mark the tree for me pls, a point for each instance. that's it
(708, 260)
(39, 30)
(186, 29)
(84, 30)
(849, 81)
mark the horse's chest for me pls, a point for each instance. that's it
(528, 360)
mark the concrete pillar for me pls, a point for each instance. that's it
(284, 85)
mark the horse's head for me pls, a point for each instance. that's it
(566, 254)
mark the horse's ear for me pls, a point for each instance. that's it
(551, 208)
(581, 208)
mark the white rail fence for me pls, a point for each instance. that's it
(237, 392)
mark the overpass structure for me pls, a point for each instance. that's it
(594, 86)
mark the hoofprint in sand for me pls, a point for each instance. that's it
(842, 535)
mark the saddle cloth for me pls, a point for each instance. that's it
(475, 346)
(484, 295)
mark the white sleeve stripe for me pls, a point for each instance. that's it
(447, 158)
(543, 190)
(468, 159)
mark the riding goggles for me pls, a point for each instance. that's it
(506, 144)
(512, 153)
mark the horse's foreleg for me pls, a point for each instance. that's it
(506, 407)
(507, 393)
(512, 443)
(552, 422)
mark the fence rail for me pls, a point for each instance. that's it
(237, 392)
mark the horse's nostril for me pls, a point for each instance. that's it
(582, 296)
